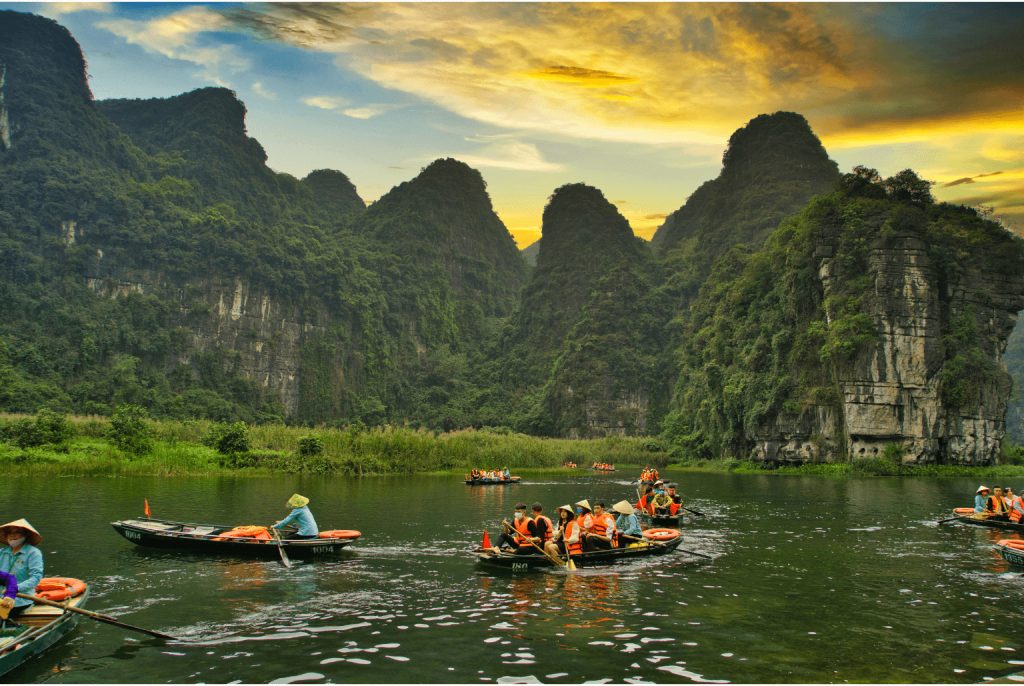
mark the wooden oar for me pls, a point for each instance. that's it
(943, 521)
(659, 543)
(568, 564)
(106, 619)
(280, 549)
(696, 512)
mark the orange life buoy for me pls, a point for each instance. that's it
(59, 588)
(661, 534)
(1011, 543)
(340, 533)
(963, 511)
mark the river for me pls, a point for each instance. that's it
(812, 580)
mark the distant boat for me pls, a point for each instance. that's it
(39, 628)
(604, 467)
(162, 533)
(492, 481)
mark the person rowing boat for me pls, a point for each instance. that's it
(302, 517)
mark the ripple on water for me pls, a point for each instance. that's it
(299, 678)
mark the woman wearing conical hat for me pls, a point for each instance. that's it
(20, 556)
(301, 516)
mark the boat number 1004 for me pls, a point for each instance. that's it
(133, 535)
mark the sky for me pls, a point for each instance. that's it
(636, 99)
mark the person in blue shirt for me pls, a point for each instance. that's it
(981, 499)
(626, 523)
(20, 556)
(301, 516)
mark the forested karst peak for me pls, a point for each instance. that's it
(579, 220)
(334, 189)
(781, 144)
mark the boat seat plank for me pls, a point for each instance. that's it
(151, 526)
(199, 530)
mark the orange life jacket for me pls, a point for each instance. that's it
(1015, 516)
(585, 522)
(547, 532)
(573, 548)
(996, 504)
(523, 528)
(601, 524)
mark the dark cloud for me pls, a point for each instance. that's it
(969, 179)
(581, 74)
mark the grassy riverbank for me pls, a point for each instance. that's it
(184, 448)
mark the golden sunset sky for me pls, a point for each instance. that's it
(636, 99)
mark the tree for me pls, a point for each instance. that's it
(908, 187)
(129, 430)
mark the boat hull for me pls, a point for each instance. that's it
(1015, 556)
(49, 634)
(494, 482)
(671, 521)
(525, 563)
(990, 523)
(143, 533)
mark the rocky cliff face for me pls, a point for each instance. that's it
(929, 386)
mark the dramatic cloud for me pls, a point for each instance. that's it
(179, 36)
(56, 10)
(367, 111)
(969, 179)
(326, 102)
(509, 154)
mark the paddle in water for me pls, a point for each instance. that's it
(106, 619)
(280, 549)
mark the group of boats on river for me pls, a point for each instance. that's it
(37, 611)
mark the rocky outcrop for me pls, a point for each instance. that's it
(5, 122)
(892, 398)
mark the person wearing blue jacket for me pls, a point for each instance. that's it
(981, 499)
(20, 556)
(626, 524)
(301, 516)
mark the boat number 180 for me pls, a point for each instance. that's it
(520, 566)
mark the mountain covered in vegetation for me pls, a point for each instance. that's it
(785, 312)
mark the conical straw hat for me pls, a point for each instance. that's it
(585, 504)
(33, 537)
(298, 500)
(623, 507)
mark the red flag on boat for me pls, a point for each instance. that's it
(487, 540)
(145, 509)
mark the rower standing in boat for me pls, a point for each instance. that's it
(303, 518)
(980, 499)
(602, 530)
(20, 556)
(626, 524)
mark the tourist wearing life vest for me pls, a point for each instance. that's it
(20, 556)
(301, 516)
(543, 529)
(510, 537)
(602, 530)
(981, 499)
(1008, 497)
(677, 500)
(567, 537)
(644, 504)
(996, 506)
(584, 517)
(1017, 510)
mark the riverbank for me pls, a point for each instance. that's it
(186, 448)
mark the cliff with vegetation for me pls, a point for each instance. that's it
(784, 313)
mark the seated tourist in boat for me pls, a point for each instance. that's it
(602, 530)
(995, 506)
(505, 474)
(584, 517)
(677, 500)
(543, 529)
(981, 499)
(661, 503)
(627, 525)
(302, 518)
(1008, 497)
(1017, 509)
(644, 504)
(521, 522)
(567, 536)
(20, 556)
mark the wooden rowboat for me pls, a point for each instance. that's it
(966, 515)
(524, 563)
(671, 521)
(1012, 550)
(487, 481)
(38, 629)
(604, 469)
(162, 533)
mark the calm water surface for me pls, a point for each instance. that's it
(812, 580)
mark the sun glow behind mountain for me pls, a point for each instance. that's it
(637, 99)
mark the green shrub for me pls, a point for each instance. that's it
(228, 439)
(129, 430)
(310, 446)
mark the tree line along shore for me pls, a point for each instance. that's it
(131, 443)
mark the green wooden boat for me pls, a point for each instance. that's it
(39, 628)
